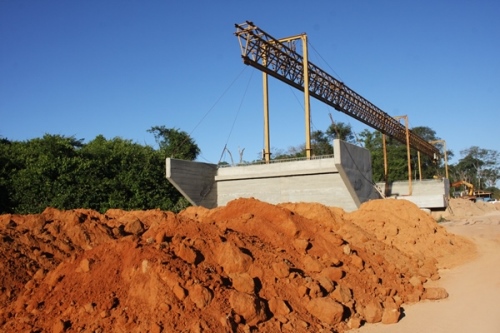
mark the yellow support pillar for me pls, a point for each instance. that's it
(307, 103)
(410, 190)
(267, 141)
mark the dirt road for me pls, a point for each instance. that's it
(474, 288)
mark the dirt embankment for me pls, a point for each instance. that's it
(249, 266)
(467, 211)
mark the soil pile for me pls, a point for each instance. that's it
(468, 211)
(414, 234)
(248, 266)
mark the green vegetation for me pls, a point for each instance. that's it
(65, 173)
(480, 167)
(321, 142)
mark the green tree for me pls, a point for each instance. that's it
(175, 143)
(397, 156)
(122, 174)
(397, 161)
(429, 166)
(7, 169)
(341, 131)
(372, 140)
(479, 166)
(65, 173)
(321, 142)
(45, 169)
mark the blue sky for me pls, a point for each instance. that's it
(117, 68)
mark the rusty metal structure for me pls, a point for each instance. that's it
(279, 59)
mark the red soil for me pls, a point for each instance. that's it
(248, 266)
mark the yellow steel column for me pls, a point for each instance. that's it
(446, 164)
(445, 160)
(386, 168)
(306, 95)
(267, 145)
(419, 166)
(407, 151)
(410, 189)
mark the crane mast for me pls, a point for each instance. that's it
(264, 52)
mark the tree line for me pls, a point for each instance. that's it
(66, 173)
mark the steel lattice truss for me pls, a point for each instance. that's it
(275, 58)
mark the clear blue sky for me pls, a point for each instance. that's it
(117, 68)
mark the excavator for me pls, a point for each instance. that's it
(469, 193)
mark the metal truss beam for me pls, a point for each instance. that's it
(276, 58)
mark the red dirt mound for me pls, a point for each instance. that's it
(248, 266)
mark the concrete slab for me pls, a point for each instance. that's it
(427, 193)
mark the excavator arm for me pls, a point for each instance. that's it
(470, 187)
(264, 52)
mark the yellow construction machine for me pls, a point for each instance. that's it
(469, 190)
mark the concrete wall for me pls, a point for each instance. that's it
(343, 181)
(355, 168)
(194, 180)
(296, 181)
(428, 193)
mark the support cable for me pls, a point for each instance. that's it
(209, 111)
(234, 121)
(216, 102)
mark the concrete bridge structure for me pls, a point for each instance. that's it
(343, 180)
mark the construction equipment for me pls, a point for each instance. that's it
(483, 196)
(274, 57)
(469, 193)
